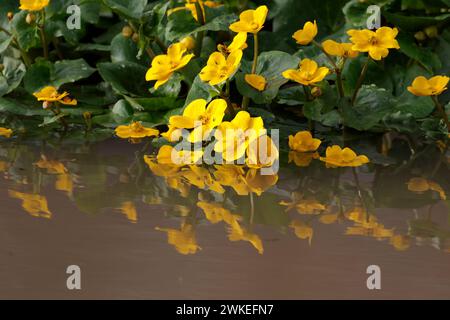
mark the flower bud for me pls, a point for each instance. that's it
(31, 18)
(135, 37)
(420, 36)
(46, 105)
(10, 16)
(188, 43)
(431, 31)
(87, 116)
(127, 32)
(316, 92)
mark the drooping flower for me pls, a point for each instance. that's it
(135, 131)
(200, 118)
(233, 138)
(129, 210)
(308, 74)
(344, 50)
(239, 43)
(434, 86)
(220, 68)
(376, 43)
(251, 21)
(338, 157)
(306, 35)
(256, 81)
(303, 141)
(35, 204)
(33, 5)
(183, 240)
(51, 94)
(302, 230)
(4, 132)
(165, 65)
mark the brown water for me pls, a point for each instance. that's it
(133, 236)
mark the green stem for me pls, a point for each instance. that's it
(201, 34)
(441, 111)
(5, 31)
(362, 76)
(42, 34)
(246, 100)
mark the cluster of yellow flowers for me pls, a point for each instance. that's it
(304, 149)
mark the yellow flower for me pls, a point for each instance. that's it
(51, 94)
(64, 183)
(303, 141)
(35, 204)
(259, 183)
(329, 218)
(161, 169)
(220, 68)
(129, 210)
(33, 5)
(238, 233)
(400, 243)
(434, 86)
(232, 176)
(344, 50)
(308, 74)
(303, 206)
(256, 81)
(7, 133)
(302, 230)
(164, 65)
(376, 43)
(262, 152)
(302, 159)
(421, 185)
(216, 213)
(169, 155)
(183, 240)
(196, 116)
(188, 43)
(337, 157)
(306, 35)
(239, 43)
(52, 166)
(251, 21)
(173, 134)
(202, 179)
(135, 131)
(234, 137)
(190, 5)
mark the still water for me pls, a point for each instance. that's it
(139, 231)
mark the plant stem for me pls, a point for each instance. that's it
(441, 111)
(5, 31)
(362, 76)
(42, 34)
(337, 70)
(246, 100)
(201, 34)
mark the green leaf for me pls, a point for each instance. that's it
(122, 112)
(418, 107)
(124, 49)
(4, 44)
(180, 24)
(271, 66)
(201, 90)
(16, 107)
(125, 77)
(26, 34)
(425, 56)
(51, 120)
(130, 9)
(11, 77)
(372, 105)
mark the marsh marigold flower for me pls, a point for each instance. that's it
(33, 5)
(306, 35)
(337, 49)
(51, 94)
(309, 73)
(35, 204)
(434, 86)
(303, 141)
(251, 21)
(135, 131)
(190, 5)
(338, 157)
(256, 81)
(376, 43)
(302, 230)
(183, 240)
(200, 118)
(239, 43)
(238, 233)
(4, 132)
(220, 68)
(164, 65)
